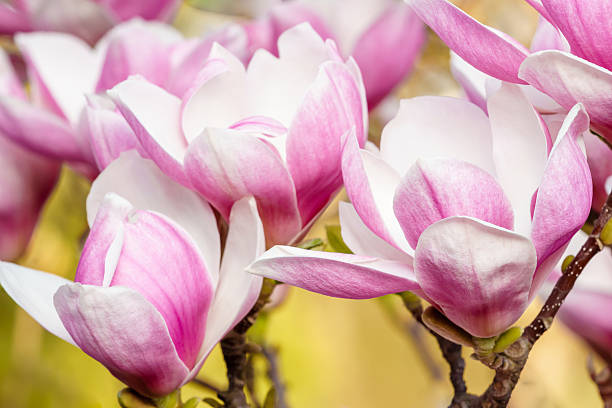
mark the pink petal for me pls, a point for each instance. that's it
(599, 157)
(12, 20)
(587, 27)
(154, 116)
(488, 50)
(123, 331)
(587, 313)
(144, 185)
(33, 291)
(520, 149)
(387, 50)
(569, 80)
(227, 165)
(332, 109)
(471, 80)
(147, 9)
(331, 274)
(435, 189)
(537, 4)
(417, 132)
(478, 274)
(564, 197)
(9, 81)
(548, 37)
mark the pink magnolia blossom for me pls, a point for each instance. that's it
(384, 36)
(65, 116)
(87, 19)
(586, 310)
(150, 297)
(274, 130)
(471, 212)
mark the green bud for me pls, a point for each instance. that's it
(566, 262)
(128, 398)
(192, 403)
(312, 244)
(270, 401)
(440, 324)
(507, 338)
(213, 402)
(606, 233)
(483, 346)
(335, 241)
(169, 401)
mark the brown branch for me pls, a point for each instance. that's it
(513, 360)
(207, 384)
(270, 353)
(451, 353)
(603, 380)
(235, 348)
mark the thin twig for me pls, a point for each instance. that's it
(207, 384)
(603, 380)
(513, 360)
(270, 353)
(416, 331)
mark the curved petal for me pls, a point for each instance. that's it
(362, 241)
(435, 189)
(330, 112)
(123, 331)
(520, 149)
(226, 165)
(488, 50)
(564, 198)
(142, 183)
(33, 291)
(548, 37)
(238, 290)
(331, 274)
(478, 274)
(417, 132)
(586, 26)
(370, 184)
(569, 80)
(154, 116)
(471, 80)
(399, 30)
(599, 157)
(66, 79)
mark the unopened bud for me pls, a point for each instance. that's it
(606, 233)
(566, 262)
(507, 338)
(440, 324)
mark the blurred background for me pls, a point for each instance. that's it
(332, 352)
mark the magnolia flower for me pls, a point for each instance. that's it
(149, 300)
(57, 120)
(274, 130)
(586, 310)
(87, 19)
(470, 212)
(384, 36)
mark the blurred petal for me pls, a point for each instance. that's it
(478, 274)
(33, 291)
(118, 327)
(471, 80)
(226, 165)
(520, 149)
(331, 274)
(435, 189)
(417, 132)
(564, 197)
(548, 37)
(488, 50)
(569, 80)
(398, 29)
(599, 157)
(154, 116)
(149, 9)
(142, 183)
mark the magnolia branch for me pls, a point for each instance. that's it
(513, 359)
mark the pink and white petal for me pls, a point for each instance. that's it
(331, 111)
(473, 81)
(66, 79)
(13, 19)
(33, 291)
(149, 10)
(599, 157)
(122, 330)
(417, 132)
(362, 241)
(338, 275)
(435, 189)
(164, 264)
(569, 80)
(564, 197)
(238, 290)
(520, 149)
(10, 84)
(398, 29)
(39, 131)
(154, 116)
(488, 50)
(587, 27)
(478, 274)
(146, 187)
(370, 184)
(548, 37)
(227, 165)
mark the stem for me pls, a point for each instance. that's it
(270, 354)
(206, 384)
(235, 348)
(450, 351)
(603, 380)
(513, 360)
